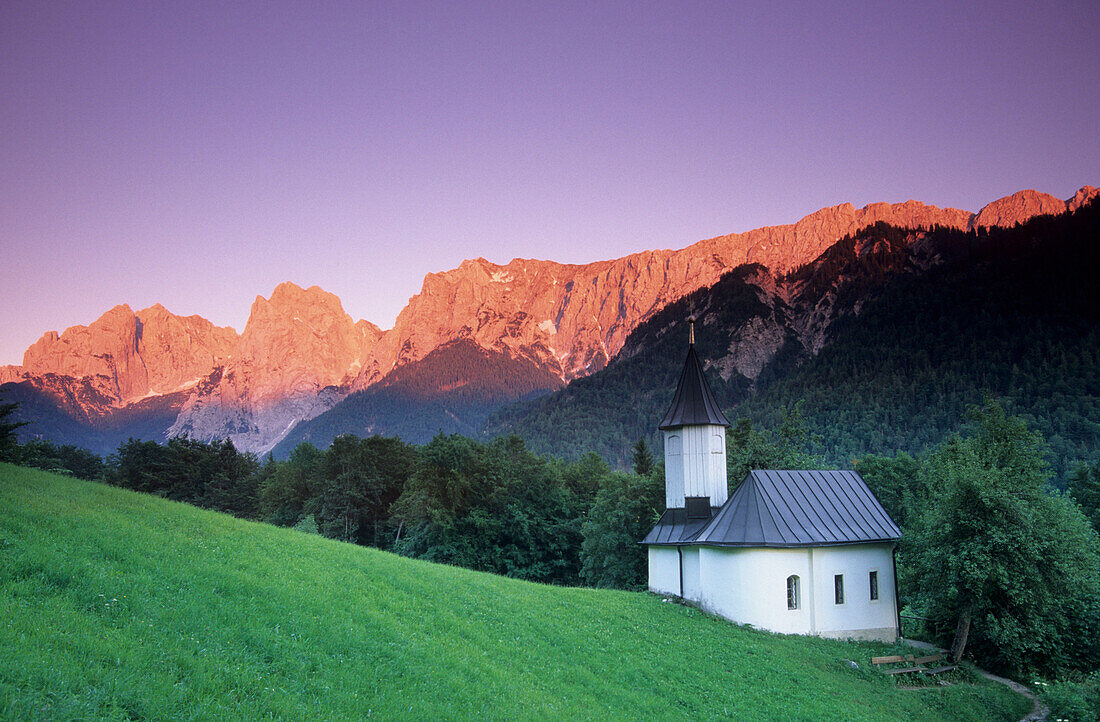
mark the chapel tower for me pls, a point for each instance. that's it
(695, 442)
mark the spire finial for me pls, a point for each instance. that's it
(691, 330)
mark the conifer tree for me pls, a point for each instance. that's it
(643, 458)
(8, 441)
(1084, 487)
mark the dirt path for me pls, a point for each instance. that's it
(1039, 711)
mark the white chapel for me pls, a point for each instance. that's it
(799, 552)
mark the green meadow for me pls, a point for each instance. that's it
(118, 605)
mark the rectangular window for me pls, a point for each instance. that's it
(697, 507)
(873, 578)
(838, 588)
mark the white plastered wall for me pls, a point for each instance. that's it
(692, 583)
(749, 586)
(858, 617)
(664, 570)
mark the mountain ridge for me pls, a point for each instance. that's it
(882, 343)
(300, 353)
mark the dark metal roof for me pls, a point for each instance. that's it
(693, 402)
(799, 508)
(674, 527)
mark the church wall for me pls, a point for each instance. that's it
(749, 586)
(664, 570)
(692, 589)
(858, 617)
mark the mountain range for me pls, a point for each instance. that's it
(880, 345)
(473, 340)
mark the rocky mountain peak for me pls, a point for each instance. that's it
(106, 347)
(178, 351)
(299, 338)
(1081, 197)
(1026, 204)
(131, 355)
(295, 344)
(1018, 207)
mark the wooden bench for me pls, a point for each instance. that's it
(912, 664)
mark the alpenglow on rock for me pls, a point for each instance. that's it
(300, 353)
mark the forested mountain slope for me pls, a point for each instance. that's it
(885, 339)
(451, 390)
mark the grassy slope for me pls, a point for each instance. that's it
(124, 605)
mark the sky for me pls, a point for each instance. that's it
(198, 154)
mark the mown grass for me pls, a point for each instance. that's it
(119, 605)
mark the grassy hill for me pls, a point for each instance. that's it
(122, 605)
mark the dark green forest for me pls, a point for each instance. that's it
(922, 330)
(1012, 315)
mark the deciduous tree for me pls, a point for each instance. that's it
(999, 557)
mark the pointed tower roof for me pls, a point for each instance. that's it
(693, 403)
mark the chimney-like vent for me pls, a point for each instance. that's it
(698, 507)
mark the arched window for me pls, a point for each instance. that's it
(717, 442)
(793, 597)
(674, 448)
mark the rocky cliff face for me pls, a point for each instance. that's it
(573, 318)
(126, 356)
(1024, 205)
(300, 353)
(297, 348)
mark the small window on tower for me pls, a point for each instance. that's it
(674, 446)
(793, 601)
(698, 507)
(873, 579)
(838, 588)
(717, 443)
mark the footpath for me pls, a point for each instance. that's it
(1039, 711)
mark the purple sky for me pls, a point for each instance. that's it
(198, 154)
